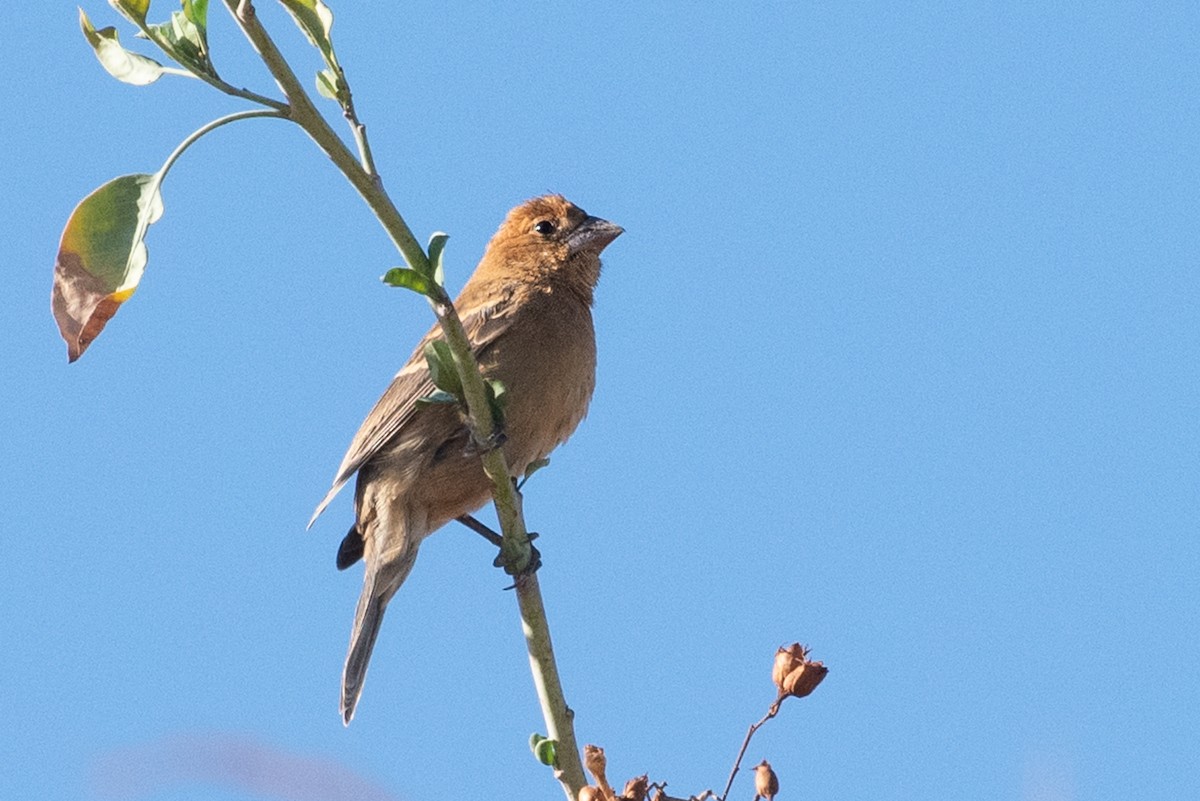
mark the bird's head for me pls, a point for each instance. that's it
(549, 239)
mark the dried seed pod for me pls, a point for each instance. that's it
(635, 789)
(804, 679)
(787, 659)
(766, 783)
(596, 763)
(590, 793)
(594, 760)
(794, 673)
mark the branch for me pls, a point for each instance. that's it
(304, 113)
(515, 550)
(737, 763)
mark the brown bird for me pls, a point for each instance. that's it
(528, 313)
(766, 783)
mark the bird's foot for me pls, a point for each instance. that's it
(510, 560)
(478, 447)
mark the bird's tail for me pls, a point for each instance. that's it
(382, 579)
(367, 618)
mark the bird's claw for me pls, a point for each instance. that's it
(502, 560)
(494, 441)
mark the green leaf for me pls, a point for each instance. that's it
(497, 394)
(197, 13)
(408, 279)
(316, 21)
(122, 64)
(544, 749)
(101, 256)
(185, 37)
(436, 398)
(437, 245)
(497, 398)
(327, 84)
(133, 10)
(443, 370)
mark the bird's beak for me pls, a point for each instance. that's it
(592, 235)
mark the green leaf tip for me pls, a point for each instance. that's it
(435, 249)
(497, 393)
(133, 10)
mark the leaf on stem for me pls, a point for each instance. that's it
(101, 256)
(437, 245)
(124, 65)
(316, 21)
(544, 749)
(443, 371)
(497, 398)
(408, 279)
(327, 83)
(185, 37)
(133, 10)
(436, 398)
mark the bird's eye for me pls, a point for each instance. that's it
(544, 227)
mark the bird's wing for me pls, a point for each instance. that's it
(396, 406)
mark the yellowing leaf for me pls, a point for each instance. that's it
(101, 256)
(133, 10)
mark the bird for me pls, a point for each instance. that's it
(527, 311)
(766, 783)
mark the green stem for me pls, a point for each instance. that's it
(515, 548)
(305, 114)
(358, 130)
(161, 175)
(211, 80)
(558, 716)
(212, 126)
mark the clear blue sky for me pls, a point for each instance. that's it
(899, 357)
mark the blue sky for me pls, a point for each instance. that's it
(898, 358)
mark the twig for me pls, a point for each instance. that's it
(304, 113)
(516, 551)
(737, 763)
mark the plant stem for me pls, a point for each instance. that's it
(212, 126)
(211, 80)
(737, 763)
(558, 716)
(305, 114)
(516, 551)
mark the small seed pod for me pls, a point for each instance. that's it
(636, 788)
(794, 673)
(590, 793)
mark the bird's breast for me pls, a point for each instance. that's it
(547, 362)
